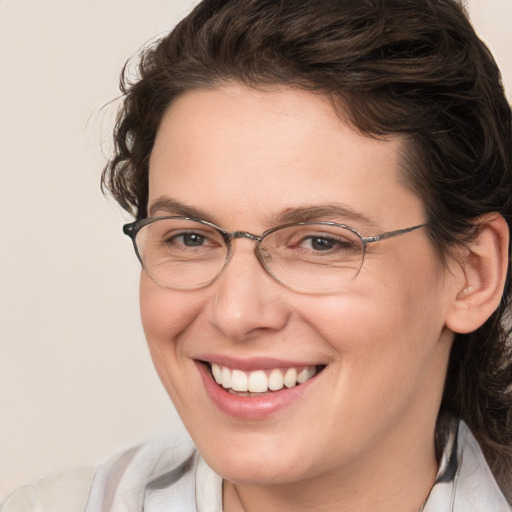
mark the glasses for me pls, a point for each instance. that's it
(315, 257)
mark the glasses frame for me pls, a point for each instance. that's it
(131, 230)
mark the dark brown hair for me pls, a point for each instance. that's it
(410, 67)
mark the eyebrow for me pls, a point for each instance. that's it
(333, 212)
(165, 205)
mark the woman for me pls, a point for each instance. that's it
(322, 194)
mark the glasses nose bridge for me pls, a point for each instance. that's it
(244, 234)
(250, 236)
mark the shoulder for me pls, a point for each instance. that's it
(165, 465)
(162, 470)
(67, 491)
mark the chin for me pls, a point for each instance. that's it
(257, 460)
(258, 471)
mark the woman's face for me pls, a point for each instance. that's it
(242, 159)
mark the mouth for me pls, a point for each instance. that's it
(258, 388)
(261, 382)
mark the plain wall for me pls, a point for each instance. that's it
(76, 381)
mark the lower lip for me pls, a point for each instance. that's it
(251, 407)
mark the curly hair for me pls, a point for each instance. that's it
(410, 67)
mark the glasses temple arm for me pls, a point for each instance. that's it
(390, 234)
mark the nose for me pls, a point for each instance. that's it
(246, 300)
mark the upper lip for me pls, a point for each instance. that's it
(255, 363)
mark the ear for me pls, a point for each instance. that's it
(484, 265)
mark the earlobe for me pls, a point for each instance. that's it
(484, 267)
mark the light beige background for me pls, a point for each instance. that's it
(76, 382)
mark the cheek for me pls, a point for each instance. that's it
(389, 355)
(383, 330)
(165, 313)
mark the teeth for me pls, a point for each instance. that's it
(305, 374)
(217, 373)
(275, 380)
(225, 378)
(238, 381)
(260, 381)
(290, 378)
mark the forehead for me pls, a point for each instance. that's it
(241, 153)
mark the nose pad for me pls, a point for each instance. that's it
(245, 298)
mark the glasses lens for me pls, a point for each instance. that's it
(181, 254)
(313, 257)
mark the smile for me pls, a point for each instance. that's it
(258, 388)
(260, 381)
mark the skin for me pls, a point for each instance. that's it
(242, 157)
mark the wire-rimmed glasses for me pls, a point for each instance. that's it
(184, 253)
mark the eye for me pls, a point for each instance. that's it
(320, 243)
(189, 239)
(314, 243)
(323, 243)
